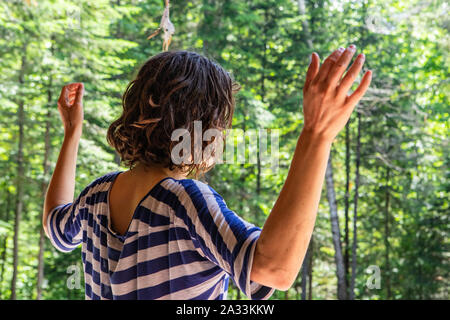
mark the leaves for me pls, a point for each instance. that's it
(262, 43)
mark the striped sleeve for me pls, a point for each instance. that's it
(64, 222)
(64, 225)
(222, 236)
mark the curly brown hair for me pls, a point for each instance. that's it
(171, 91)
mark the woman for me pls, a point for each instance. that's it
(151, 232)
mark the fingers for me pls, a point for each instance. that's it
(79, 94)
(63, 97)
(71, 94)
(328, 64)
(351, 75)
(339, 67)
(354, 98)
(312, 70)
(71, 97)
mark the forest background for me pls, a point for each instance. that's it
(383, 223)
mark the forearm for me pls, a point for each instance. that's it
(286, 234)
(62, 184)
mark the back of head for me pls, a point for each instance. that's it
(171, 91)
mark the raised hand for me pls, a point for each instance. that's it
(284, 239)
(62, 184)
(70, 107)
(326, 104)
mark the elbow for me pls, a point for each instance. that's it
(274, 278)
(266, 271)
(282, 281)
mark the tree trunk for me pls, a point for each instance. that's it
(302, 11)
(386, 235)
(5, 243)
(355, 209)
(340, 267)
(305, 272)
(20, 177)
(347, 203)
(2, 266)
(338, 257)
(307, 263)
(263, 98)
(44, 186)
(310, 267)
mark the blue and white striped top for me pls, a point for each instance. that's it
(183, 242)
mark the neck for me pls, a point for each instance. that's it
(141, 169)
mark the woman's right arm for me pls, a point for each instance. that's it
(284, 239)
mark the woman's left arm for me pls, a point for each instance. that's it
(62, 184)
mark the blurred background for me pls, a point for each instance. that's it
(383, 223)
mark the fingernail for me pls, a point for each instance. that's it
(362, 56)
(341, 49)
(352, 47)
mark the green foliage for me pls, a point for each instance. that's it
(264, 45)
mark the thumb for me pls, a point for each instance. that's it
(79, 94)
